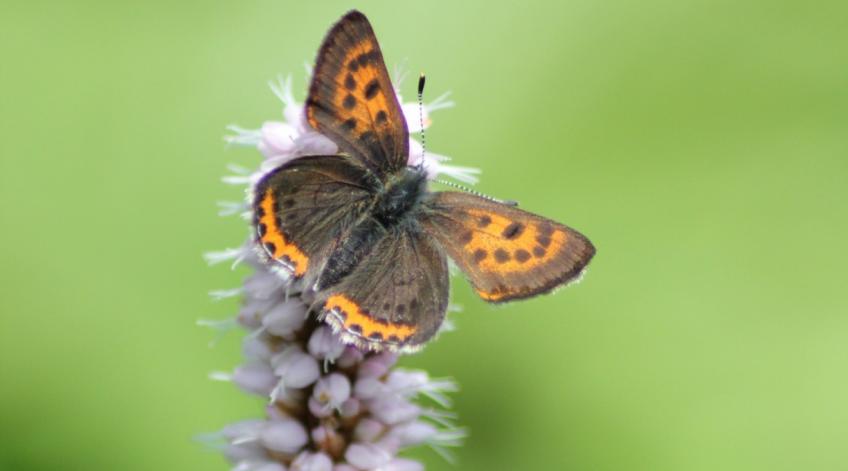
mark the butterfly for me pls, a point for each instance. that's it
(363, 234)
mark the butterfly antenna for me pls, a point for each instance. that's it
(477, 193)
(421, 79)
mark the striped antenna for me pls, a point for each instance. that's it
(477, 193)
(421, 79)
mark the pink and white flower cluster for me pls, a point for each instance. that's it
(331, 406)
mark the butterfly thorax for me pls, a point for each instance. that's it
(392, 210)
(399, 196)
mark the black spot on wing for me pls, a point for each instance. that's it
(521, 255)
(349, 124)
(513, 230)
(372, 89)
(502, 256)
(349, 102)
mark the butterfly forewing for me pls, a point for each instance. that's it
(352, 101)
(303, 207)
(396, 297)
(507, 253)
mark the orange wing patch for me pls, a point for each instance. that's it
(362, 98)
(346, 313)
(273, 239)
(504, 246)
(351, 99)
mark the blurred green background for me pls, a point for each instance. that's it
(702, 145)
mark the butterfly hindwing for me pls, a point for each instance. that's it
(303, 207)
(396, 297)
(507, 253)
(351, 99)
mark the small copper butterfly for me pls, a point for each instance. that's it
(362, 232)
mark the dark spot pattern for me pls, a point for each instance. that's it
(400, 309)
(262, 229)
(371, 89)
(349, 124)
(375, 336)
(349, 102)
(386, 306)
(381, 117)
(413, 305)
(539, 251)
(466, 237)
(260, 212)
(513, 230)
(350, 83)
(501, 256)
(270, 247)
(288, 203)
(484, 221)
(521, 255)
(366, 57)
(342, 313)
(543, 240)
(355, 328)
(278, 220)
(480, 255)
(368, 137)
(393, 338)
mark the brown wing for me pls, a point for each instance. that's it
(303, 207)
(396, 297)
(507, 253)
(351, 99)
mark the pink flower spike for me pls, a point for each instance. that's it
(394, 410)
(259, 465)
(324, 344)
(350, 408)
(255, 377)
(367, 456)
(307, 461)
(285, 436)
(368, 430)
(401, 464)
(329, 393)
(295, 368)
(277, 139)
(285, 318)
